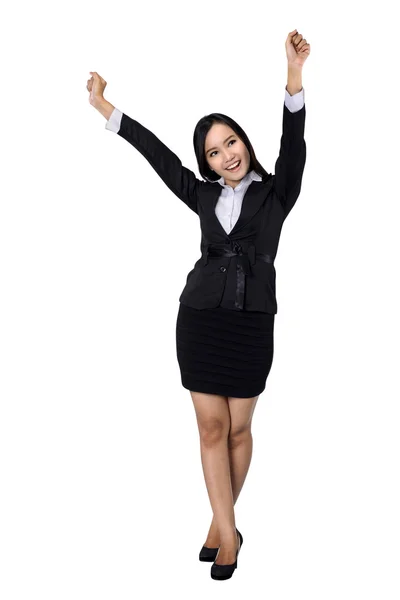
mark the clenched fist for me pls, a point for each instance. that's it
(96, 86)
(297, 49)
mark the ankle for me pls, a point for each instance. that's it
(228, 532)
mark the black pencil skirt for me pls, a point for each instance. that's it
(224, 351)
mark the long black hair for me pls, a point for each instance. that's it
(199, 139)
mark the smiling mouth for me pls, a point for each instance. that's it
(238, 162)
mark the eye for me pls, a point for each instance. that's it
(233, 141)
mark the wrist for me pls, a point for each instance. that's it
(294, 80)
(295, 67)
(104, 107)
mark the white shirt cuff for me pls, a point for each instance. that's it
(295, 102)
(114, 122)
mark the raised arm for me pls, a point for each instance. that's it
(289, 167)
(180, 180)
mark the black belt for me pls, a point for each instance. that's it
(243, 264)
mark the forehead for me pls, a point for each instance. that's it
(217, 133)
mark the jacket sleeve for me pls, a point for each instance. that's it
(292, 158)
(180, 180)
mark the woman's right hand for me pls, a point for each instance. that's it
(96, 86)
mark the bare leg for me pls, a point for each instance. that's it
(213, 419)
(240, 449)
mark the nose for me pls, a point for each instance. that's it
(229, 158)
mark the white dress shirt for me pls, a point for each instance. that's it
(229, 204)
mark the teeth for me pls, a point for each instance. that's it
(233, 166)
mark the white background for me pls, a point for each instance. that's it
(102, 489)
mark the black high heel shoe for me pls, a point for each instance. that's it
(209, 554)
(226, 571)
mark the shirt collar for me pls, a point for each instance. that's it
(252, 176)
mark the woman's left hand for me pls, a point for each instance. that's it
(297, 49)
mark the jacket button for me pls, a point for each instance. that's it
(223, 269)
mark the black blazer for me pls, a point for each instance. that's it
(235, 270)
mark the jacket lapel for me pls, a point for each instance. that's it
(252, 201)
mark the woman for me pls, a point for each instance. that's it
(224, 343)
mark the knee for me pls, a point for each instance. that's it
(239, 435)
(212, 431)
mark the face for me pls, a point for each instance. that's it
(224, 148)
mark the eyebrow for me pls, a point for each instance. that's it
(232, 135)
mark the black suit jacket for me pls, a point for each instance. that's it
(235, 270)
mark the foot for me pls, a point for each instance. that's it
(227, 551)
